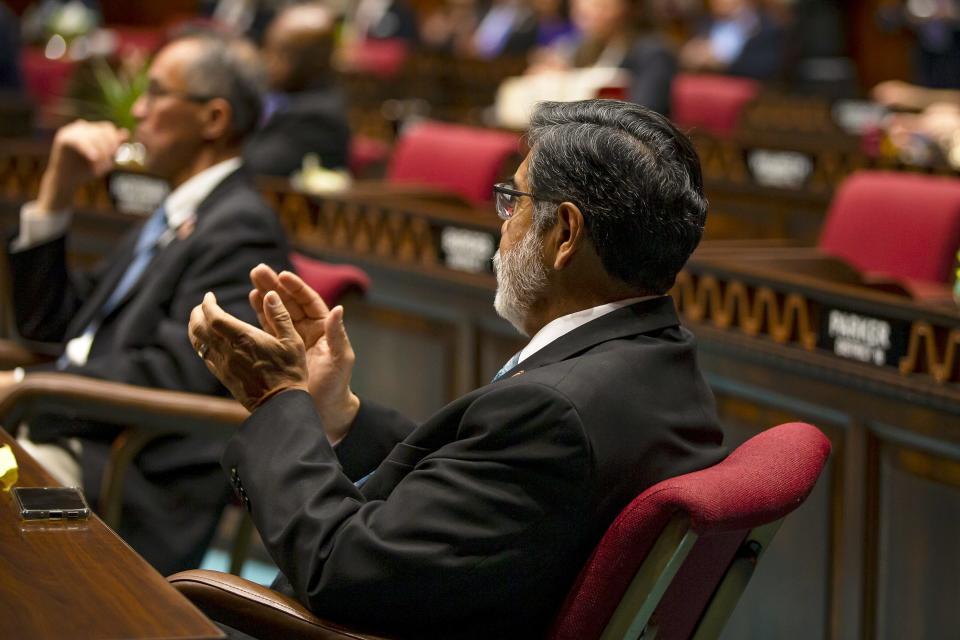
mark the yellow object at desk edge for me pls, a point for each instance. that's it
(9, 471)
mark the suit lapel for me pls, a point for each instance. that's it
(162, 255)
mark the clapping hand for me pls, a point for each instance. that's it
(253, 364)
(329, 355)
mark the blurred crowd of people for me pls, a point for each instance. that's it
(649, 41)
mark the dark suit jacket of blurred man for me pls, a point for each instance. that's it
(173, 493)
(311, 121)
(475, 523)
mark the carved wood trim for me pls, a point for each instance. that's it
(937, 357)
(791, 318)
(785, 317)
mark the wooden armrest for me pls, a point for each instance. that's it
(148, 414)
(93, 399)
(256, 610)
(14, 354)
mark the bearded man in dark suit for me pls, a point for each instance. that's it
(305, 111)
(127, 321)
(476, 522)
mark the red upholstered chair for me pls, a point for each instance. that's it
(710, 102)
(331, 281)
(45, 79)
(677, 558)
(463, 160)
(898, 224)
(382, 58)
(367, 155)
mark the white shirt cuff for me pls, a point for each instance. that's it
(37, 228)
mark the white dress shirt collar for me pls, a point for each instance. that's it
(563, 325)
(181, 204)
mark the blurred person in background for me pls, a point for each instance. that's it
(449, 29)
(508, 27)
(384, 20)
(903, 96)
(248, 18)
(738, 38)
(553, 21)
(617, 33)
(11, 79)
(936, 26)
(126, 321)
(931, 137)
(304, 112)
(477, 30)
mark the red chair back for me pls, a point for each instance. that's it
(46, 80)
(762, 481)
(900, 224)
(710, 102)
(331, 281)
(463, 160)
(366, 153)
(382, 58)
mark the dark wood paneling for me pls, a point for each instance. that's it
(918, 581)
(404, 361)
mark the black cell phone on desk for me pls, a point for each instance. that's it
(51, 503)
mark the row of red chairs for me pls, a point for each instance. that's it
(892, 223)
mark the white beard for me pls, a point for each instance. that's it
(521, 278)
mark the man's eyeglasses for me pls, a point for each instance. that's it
(506, 198)
(154, 91)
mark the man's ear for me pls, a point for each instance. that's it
(217, 116)
(570, 234)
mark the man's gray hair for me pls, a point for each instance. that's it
(229, 68)
(635, 177)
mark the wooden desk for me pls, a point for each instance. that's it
(79, 580)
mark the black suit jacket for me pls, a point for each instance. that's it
(144, 341)
(315, 121)
(763, 53)
(475, 523)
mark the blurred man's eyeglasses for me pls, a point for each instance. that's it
(506, 199)
(154, 91)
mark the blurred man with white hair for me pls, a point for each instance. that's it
(127, 320)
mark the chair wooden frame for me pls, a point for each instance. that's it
(148, 413)
(632, 618)
(257, 609)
